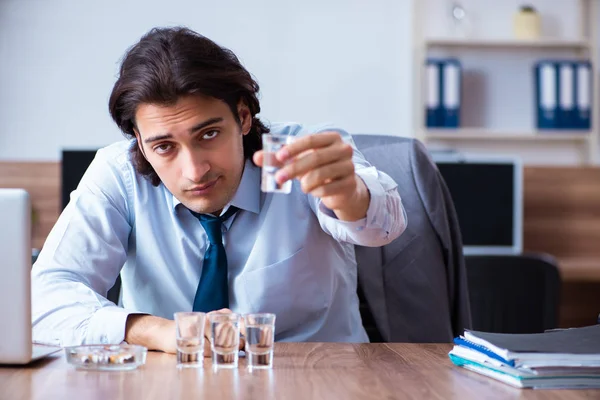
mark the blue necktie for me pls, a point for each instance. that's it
(213, 290)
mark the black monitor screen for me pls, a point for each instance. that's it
(484, 198)
(74, 164)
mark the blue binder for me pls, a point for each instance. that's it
(433, 98)
(566, 95)
(546, 94)
(451, 92)
(583, 94)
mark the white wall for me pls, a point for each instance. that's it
(341, 61)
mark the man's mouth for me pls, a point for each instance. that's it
(202, 189)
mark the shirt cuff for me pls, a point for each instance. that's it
(107, 326)
(328, 216)
(374, 218)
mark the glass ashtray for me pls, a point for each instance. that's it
(119, 357)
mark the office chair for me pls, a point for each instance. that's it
(413, 289)
(513, 293)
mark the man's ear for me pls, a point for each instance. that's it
(245, 117)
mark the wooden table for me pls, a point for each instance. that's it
(301, 371)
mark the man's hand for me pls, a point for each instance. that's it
(323, 164)
(224, 334)
(157, 333)
(152, 332)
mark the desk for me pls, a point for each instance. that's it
(301, 371)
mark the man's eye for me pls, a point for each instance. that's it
(162, 148)
(210, 135)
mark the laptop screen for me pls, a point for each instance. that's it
(15, 269)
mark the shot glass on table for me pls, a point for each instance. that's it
(260, 335)
(189, 327)
(224, 339)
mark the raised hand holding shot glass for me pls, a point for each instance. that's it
(271, 145)
(224, 339)
(190, 339)
(322, 164)
(260, 335)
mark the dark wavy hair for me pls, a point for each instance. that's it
(168, 63)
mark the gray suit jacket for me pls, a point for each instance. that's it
(416, 286)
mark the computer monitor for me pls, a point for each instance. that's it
(487, 192)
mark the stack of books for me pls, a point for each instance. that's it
(558, 359)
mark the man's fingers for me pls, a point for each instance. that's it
(314, 159)
(225, 332)
(242, 327)
(258, 158)
(301, 144)
(326, 174)
(335, 187)
(207, 349)
(266, 337)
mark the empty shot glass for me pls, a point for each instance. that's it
(224, 339)
(260, 335)
(271, 145)
(189, 331)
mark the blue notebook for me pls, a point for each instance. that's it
(461, 341)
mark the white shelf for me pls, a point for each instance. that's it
(489, 135)
(509, 43)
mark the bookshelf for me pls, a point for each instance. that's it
(585, 46)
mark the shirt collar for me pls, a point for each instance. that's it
(247, 196)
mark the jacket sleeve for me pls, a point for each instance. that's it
(445, 222)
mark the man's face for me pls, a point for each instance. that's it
(196, 148)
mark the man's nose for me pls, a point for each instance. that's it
(195, 166)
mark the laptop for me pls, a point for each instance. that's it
(15, 280)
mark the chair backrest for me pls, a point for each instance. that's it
(513, 293)
(74, 163)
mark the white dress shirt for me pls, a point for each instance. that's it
(287, 254)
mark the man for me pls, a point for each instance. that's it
(189, 110)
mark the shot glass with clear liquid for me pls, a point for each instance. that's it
(224, 339)
(271, 145)
(260, 335)
(189, 331)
